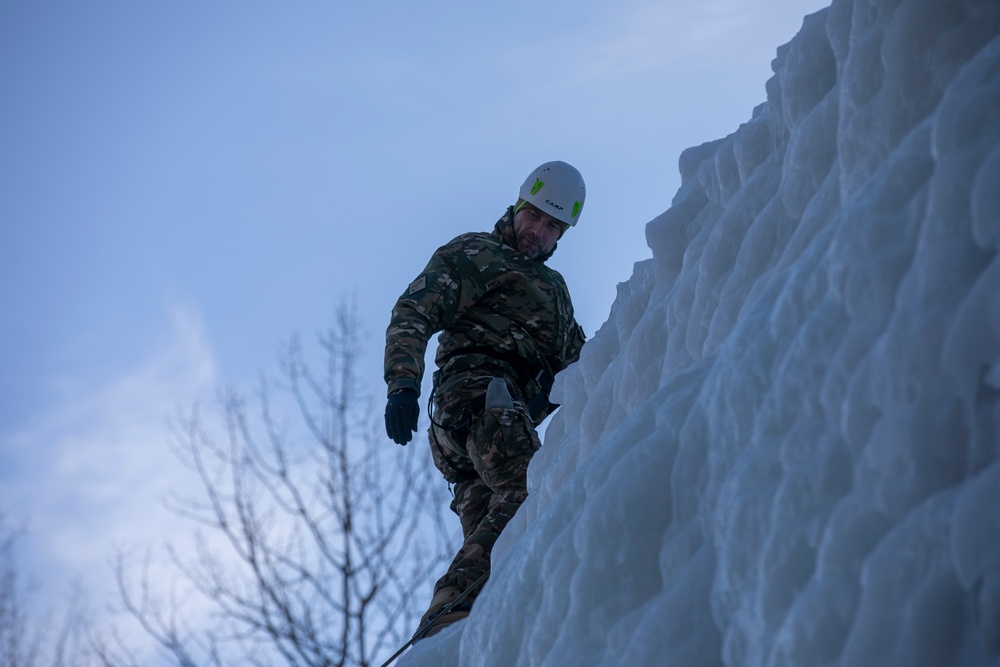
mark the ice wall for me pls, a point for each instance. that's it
(783, 448)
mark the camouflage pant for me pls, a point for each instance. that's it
(484, 454)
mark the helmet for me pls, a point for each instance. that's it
(557, 189)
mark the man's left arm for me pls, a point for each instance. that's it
(576, 341)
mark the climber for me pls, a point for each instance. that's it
(507, 327)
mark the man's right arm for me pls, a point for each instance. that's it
(435, 299)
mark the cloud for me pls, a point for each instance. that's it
(647, 39)
(91, 471)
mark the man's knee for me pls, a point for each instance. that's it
(501, 445)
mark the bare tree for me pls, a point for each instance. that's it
(18, 642)
(30, 639)
(313, 544)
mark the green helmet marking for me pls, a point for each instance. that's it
(537, 186)
(576, 208)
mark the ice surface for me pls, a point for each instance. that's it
(783, 447)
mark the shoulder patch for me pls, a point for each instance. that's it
(417, 285)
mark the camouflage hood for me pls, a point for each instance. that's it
(505, 230)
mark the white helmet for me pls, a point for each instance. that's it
(556, 188)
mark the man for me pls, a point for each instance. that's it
(507, 327)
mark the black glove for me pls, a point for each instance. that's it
(401, 413)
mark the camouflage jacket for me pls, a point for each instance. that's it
(493, 306)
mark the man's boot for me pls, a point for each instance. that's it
(438, 602)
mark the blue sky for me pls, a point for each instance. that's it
(185, 185)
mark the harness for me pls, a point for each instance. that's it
(524, 374)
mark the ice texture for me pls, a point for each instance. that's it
(783, 447)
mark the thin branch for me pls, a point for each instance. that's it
(309, 556)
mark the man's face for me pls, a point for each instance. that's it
(536, 232)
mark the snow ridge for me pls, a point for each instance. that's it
(783, 447)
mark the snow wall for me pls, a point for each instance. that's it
(783, 447)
